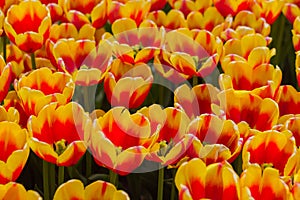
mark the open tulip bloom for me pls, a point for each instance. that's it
(149, 99)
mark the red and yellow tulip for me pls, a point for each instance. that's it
(56, 11)
(118, 138)
(128, 86)
(14, 190)
(269, 10)
(174, 19)
(11, 114)
(187, 6)
(74, 189)
(5, 78)
(279, 145)
(231, 7)
(194, 53)
(35, 90)
(134, 9)
(14, 151)
(216, 139)
(171, 143)
(258, 183)
(288, 99)
(291, 11)
(28, 25)
(73, 126)
(195, 180)
(196, 100)
(261, 114)
(296, 34)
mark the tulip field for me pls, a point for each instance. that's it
(149, 99)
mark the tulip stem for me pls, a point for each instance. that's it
(160, 189)
(88, 164)
(61, 175)
(33, 64)
(51, 179)
(4, 41)
(46, 180)
(195, 81)
(173, 189)
(113, 178)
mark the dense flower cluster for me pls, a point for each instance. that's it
(107, 88)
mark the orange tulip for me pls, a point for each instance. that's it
(118, 140)
(35, 90)
(257, 183)
(195, 180)
(196, 100)
(5, 78)
(14, 190)
(27, 25)
(261, 114)
(220, 139)
(73, 126)
(15, 151)
(74, 189)
(279, 145)
(129, 86)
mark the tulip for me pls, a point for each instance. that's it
(5, 78)
(118, 140)
(15, 151)
(279, 145)
(265, 183)
(35, 90)
(296, 34)
(260, 114)
(73, 126)
(288, 100)
(129, 86)
(291, 11)
(196, 100)
(187, 6)
(216, 139)
(171, 21)
(195, 180)
(27, 25)
(74, 189)
(269, 10)
(14, 190)
(231, 7)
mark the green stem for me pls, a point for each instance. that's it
(61, 175)
(160, 188)
(173, 189)
(4, 41)
(195, 81)
(113, 178)
(46, 180)
(51, 179)
(33, 64)
(161, 95)
(88, 164)
(238, 164)
(279, 39)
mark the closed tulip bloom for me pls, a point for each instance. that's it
(265, 183)
(231, 7)
(291, 11)
(98, 190)
(195, 180)
(5, 78)
(27, 25)
(15, 151)
(288, 100)
(279, 145)
(73, 126)
(17, 191)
